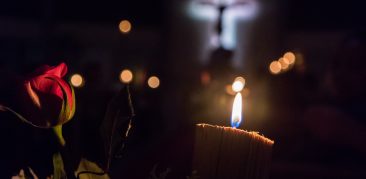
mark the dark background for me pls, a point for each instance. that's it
(314, 112)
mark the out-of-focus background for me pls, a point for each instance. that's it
(303, 61)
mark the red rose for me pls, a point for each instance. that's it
(49, 101)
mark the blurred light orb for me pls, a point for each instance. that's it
(153, 82)
(290, 57)
(126, 76)
(241, 79)
(238, 84)
(125, 26)
(229, 90)
(275, 67)
(205, 78)
(284, 63)
(77, 80)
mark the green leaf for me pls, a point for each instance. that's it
(58, 167)
(90, 170)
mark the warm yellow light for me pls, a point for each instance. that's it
(153, 82)
(275, 67)
(241, 79)
(126, 76)
(290, 57)
(77, 80)
(125, 26)
(284, 63)
(238, 84)
(229, 90)
(236, 113)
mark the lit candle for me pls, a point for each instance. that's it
(236, 114)
(228, 152)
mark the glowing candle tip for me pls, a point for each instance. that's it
(236, 113)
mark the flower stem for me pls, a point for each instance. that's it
(58, 131)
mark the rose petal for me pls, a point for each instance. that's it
(59, 71)
(51, 107)
(45, 116)
(46, 85)
(32, 94)
(67, 89)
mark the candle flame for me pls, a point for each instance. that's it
(236, 113)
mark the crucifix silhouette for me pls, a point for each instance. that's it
(222, 6)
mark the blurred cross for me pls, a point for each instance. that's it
(226, 12)
(222, 5)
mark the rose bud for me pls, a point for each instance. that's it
(48, 100)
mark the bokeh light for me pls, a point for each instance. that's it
(275, 67)
(284, 63)
(229, 90)
(125, 26)
(153, 82)
(238, 84)
(126, 76)
(241, 79)
(290, 57)
(77, 80)
(205, 78)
